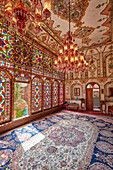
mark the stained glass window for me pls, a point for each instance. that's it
(61, 75)
(7, 64)
(55, 74)
(7, 42)
(22, 54)
(17, 55)
(47, 94)
(36, 95)
(22, 77)
(89, 86)
(14, 50)
(4, 97)
(55, 94)
(61, 93)
(92, 85)
(37, 61)
(67, 90)
(47, 65)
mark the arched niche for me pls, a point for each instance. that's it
(108, 65)
(108, 91)
(76, 91)
(93, 56)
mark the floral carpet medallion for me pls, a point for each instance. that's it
(65, 141)
(64, 146)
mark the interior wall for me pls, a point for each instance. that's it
(30, 87)
(101, 72)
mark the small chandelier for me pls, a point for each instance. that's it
(20, 14)
(69, 58)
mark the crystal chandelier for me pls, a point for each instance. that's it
(69, 58)
(20, 14)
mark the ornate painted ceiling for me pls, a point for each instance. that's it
(90, 23)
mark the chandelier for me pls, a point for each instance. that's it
(19, 14)
(69, 58)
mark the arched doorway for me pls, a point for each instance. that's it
(93, 97)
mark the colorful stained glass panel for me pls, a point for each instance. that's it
(47, 65)
(55, 94)
(37, 61)
(61, 93)
(22, 77)
(7, 42)
(47, 94)
(36, 95)
(55, 74)
(61, 76)
(13, 49)
(67, 90)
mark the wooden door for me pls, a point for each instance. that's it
(89, 99)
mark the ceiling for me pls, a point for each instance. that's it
(90, 23)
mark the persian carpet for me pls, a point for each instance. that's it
(67, 140)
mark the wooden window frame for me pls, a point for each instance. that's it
(77, 91)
